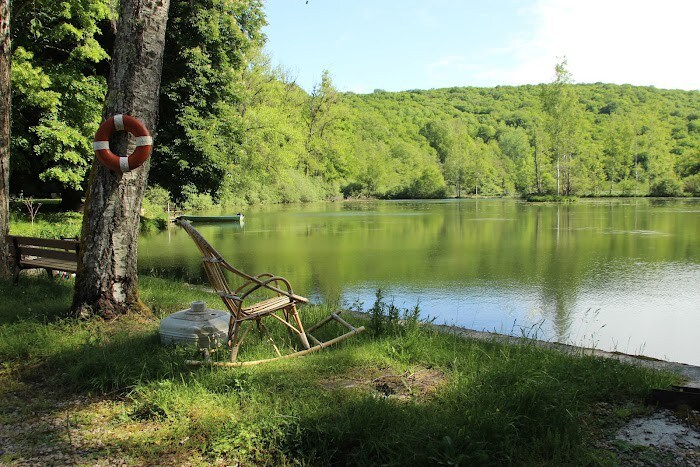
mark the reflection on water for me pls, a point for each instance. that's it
(618, 274)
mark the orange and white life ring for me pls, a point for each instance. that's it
(120, 122)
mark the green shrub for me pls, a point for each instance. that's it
(666, 186)
(430, 184)
(549, 183)
(47, 225)
(691, 184)
(155, 200)
(353, 190)
(551, 199)
(388, 319)
(194, 201)
(232, 200)
(152, 224)
(295, 187)
(626, 187)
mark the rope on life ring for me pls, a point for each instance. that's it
(122, 122)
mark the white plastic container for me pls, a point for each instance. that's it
(197, 325)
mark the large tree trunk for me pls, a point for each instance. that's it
(107, 283)
(5, 93)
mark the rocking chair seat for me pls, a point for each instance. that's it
(266, 307)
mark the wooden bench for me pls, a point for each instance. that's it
(43, 253)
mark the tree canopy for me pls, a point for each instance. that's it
(59, 67)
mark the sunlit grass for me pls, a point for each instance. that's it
(46, 224)
(66, 224)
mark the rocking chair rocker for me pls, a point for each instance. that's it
(282, 306)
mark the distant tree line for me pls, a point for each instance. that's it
(233, 129)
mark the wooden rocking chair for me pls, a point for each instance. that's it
(282, 306)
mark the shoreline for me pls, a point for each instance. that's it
(690, 372)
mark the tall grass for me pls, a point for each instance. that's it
(488, 403)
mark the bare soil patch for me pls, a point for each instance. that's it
(386, 382)
(661, 438)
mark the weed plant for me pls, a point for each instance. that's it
(486, 404)
(388, 319)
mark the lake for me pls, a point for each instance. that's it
(613, 274)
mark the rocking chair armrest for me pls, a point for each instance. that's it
(266, 284)
(257, 280)
(231, 296)
(299, 298)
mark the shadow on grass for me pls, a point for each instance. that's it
(119, 355)
(35, 298)
(96, 355)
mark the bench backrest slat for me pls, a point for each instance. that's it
(22, 242)
(51, 254)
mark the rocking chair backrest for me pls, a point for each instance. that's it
(213, 262)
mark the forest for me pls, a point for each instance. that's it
(235, 130)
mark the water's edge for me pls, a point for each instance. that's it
(691, 373)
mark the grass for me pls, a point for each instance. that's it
(397, 394)
(46, 224)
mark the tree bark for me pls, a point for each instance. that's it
(107, 282)
(538, 172)
(5, 102)
(558, 159)
(567, 187)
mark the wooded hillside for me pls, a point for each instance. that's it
(235, 130)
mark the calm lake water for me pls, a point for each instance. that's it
(615, 274)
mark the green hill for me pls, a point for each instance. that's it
(235, 130)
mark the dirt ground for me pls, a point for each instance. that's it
(674, 437)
